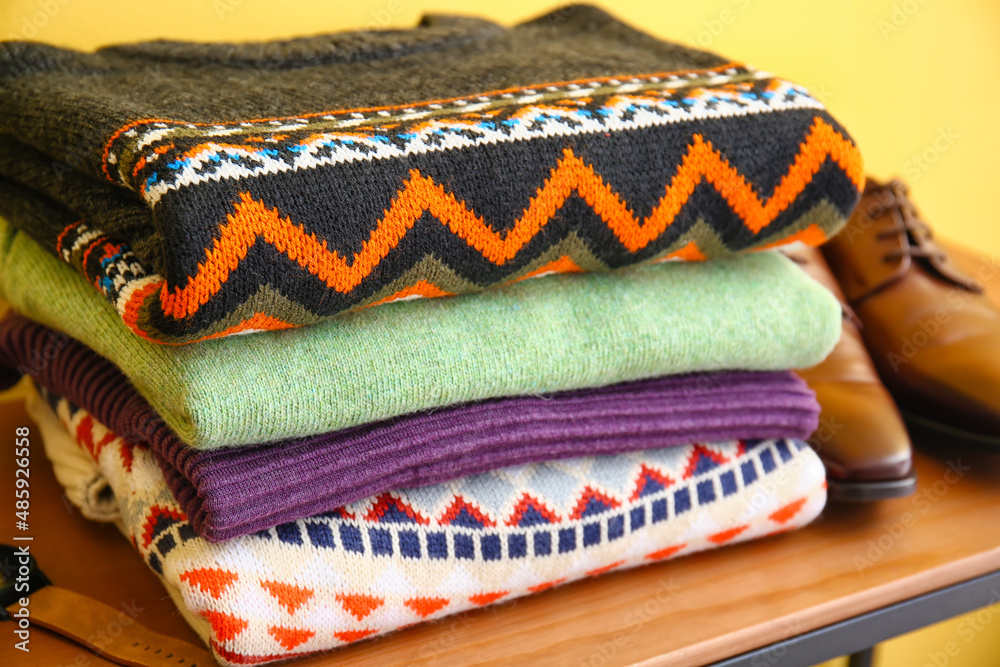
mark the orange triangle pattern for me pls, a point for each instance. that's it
(726, 535)
(547, 585)
(291, 637)
(607, 568)
(810, 236)
(483, 599)
(237, 658)
(349, 636)
(426, 606)
(210, 580)
(788, 512)
(224, 626)
(252, 219)
(360, 606)
(419, 289)
(289, 596)
(690, 253)
(665, 553)
(562, 265)
(259, 322)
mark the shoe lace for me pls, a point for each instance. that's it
(918, 242)
(895, 196)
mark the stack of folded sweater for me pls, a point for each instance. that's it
(362, 458)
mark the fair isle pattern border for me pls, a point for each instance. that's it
(530, 530)
(152, 310)
(420, 554)
(119, 272)
(161, 156)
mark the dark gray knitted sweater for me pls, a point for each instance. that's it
(208, 189)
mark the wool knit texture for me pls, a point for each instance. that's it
(422, 554)
(228, 492)
(213, 189)
(84, 485)
(750, 312)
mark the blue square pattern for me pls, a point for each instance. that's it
(659, 510)
(437, 545)
(783, 451)
(381, 540)
(706, 491)
(767, 461)
(289, 533)
(682, 501)
(320, 535)
(517, 545)
(409, 544)
(465, 547)
(638, 517)
(591, 534)
(567, 540)
(166, 544)
(728, 482)
(543, 543)
(154, 562)
(490, 546)
(616, 526)
(350, 537)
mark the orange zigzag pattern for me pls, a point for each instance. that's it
(251, 219)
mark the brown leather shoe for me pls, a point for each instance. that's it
(861, 437)
(933, 335)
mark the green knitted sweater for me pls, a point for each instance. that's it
(755, 312)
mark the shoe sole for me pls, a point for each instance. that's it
(866, 491)
(937, 431)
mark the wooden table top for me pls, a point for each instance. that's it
(691, 611)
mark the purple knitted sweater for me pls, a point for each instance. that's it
(229, 492)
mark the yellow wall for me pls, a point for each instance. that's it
(966, 641)
(916, 81)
